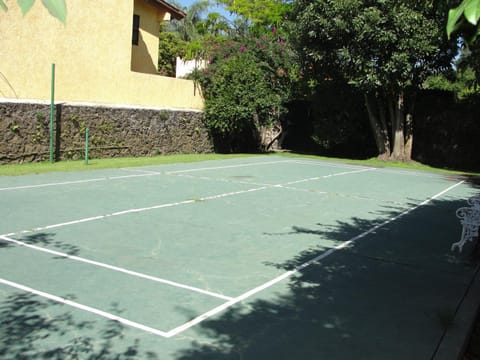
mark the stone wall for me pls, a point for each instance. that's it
(114, 132)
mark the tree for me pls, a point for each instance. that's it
(170, 47)
(261, 13)
(245, 86)
(385, 48)
(187, 28)
(56, 8)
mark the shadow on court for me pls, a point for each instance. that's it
(33, 328)
(390, 295)
(48, 240)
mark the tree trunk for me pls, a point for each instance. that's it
(398, 128)
(408, 137)
(409, 127)
(376, 115)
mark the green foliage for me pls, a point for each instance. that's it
(56, 8)
(187, 28)
(170, 46)
(464, 18)
(262, 13)
(245, 86)
(384, 43)
(384, 48)
(461, 82)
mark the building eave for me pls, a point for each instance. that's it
(175, 12)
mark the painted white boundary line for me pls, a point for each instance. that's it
(147, 173)
(329, 164)
(301, 267)
(84, 308)
(329, 176)
(388, 170)
(144, 173)
(73, 182)
(115, 268)
(185, 202)
(52, 184)
(226, 167)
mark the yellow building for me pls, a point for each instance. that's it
(106, 53)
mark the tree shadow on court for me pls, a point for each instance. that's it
(48, 240)
(389, 295)
(34, 328)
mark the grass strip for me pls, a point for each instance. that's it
(112, 163)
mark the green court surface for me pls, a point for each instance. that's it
(254, 258)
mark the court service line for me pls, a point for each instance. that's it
(73, 182)
(114, 268)
(226, 167)
(144, 174)
(301, 267)
(84, 308)
(161, 206)
(329, 176)
(284, 185)
(52, 184)
(329, 164)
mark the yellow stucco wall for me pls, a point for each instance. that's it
(93, 56)
(145, 54)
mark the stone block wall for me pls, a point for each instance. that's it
(114, 132)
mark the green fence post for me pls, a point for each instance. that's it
(52, 112)
(86, 146)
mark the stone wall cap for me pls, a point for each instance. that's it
(97, 105)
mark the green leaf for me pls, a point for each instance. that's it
(454, 16)
(472, 11)
(57, 8)
(25, 5)
(3, 5)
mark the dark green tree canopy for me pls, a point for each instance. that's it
(372, 44)
(385, 48)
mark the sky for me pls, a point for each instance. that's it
(218, 9)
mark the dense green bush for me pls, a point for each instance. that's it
(246, 86)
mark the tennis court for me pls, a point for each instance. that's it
(249, 258)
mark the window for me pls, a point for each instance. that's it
(136, 27)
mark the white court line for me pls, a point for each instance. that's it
(84, 308)
(329, 176)
(77, 182)
(226, 167)
(115, 268)
(301, 267)
(329, 164)
(185, 202)
(425, 174)
(141, 171)
(146, 174)
(52, 184)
